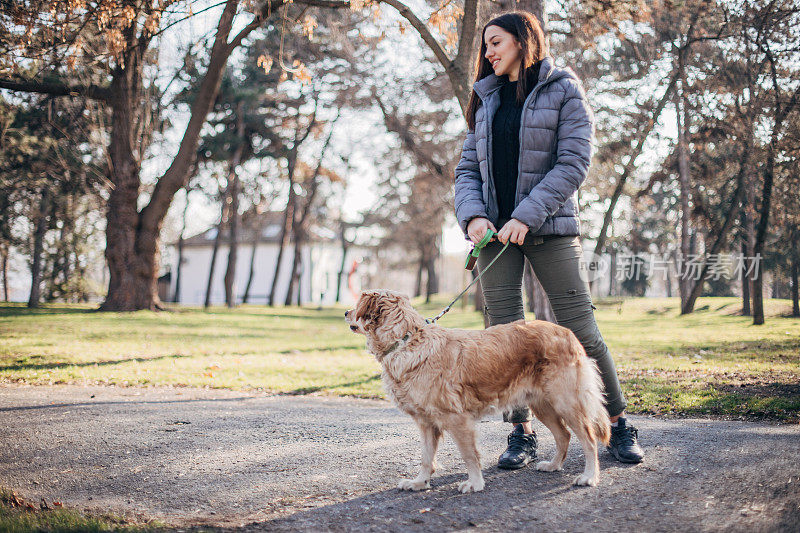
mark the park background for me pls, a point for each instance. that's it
(192, 191)
(262, 156)
(274, 158)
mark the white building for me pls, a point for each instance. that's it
(321, 262)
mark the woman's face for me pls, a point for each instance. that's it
(502, 51)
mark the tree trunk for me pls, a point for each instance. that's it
(420, 270)
(58, 278)
(340, 277)
(432, 285)
(780, 112)
(684, 179)
(758, 294)
(4, 268)
(612, 270)
(79, 273)
(294, 278)
(299, 231)
(177, 296)
(83, 293)
(48, 264)
(761, 231)
(300, 270)
(745, 282)
(795, 292)
(223, 215)
(233, 244)
(749, 238)
(233, 225)
(256, 240)
(38, 246)
(212, 267)
(131, 250)
(668, 282)
(67, 234)
(281, 245)
(299, 236)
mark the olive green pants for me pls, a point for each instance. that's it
(557, 262)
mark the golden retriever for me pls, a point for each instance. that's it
(447, 379)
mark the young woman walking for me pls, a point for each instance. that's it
(528, 149)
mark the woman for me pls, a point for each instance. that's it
(527, 150)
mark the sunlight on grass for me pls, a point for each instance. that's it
(710, 362)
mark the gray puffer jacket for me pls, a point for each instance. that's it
(556, 133)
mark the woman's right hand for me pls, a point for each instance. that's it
(476, 229)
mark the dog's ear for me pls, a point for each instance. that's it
(368, 307)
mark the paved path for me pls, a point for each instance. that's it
(249, 462)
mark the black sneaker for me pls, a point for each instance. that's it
(521, 450)
(623, 444)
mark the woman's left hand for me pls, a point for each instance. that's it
(513, 230)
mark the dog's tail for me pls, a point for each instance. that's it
(591, 398)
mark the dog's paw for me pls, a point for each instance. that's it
(583, 480)
(413, 484)
(547, 466)
(471, 485)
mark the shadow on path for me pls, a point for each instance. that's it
(699, 479)
(286, 463)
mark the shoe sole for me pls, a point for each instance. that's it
(622, 459)
(516, 467)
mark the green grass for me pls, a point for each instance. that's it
(18, 515)
(712, 362)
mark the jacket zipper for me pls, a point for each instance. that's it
(534, 94)
(489, 147)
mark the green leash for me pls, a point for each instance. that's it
(473, 256)
(470, 264)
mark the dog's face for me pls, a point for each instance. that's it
(381, 313)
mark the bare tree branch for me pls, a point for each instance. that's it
(623, 176)
(94, 92)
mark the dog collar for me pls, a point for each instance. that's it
(399, 343)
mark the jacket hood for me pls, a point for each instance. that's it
(548, 72)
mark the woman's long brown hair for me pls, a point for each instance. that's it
(525, 28)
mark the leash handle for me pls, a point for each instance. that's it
(472, 257)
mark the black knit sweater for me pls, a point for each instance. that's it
(505, 144)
